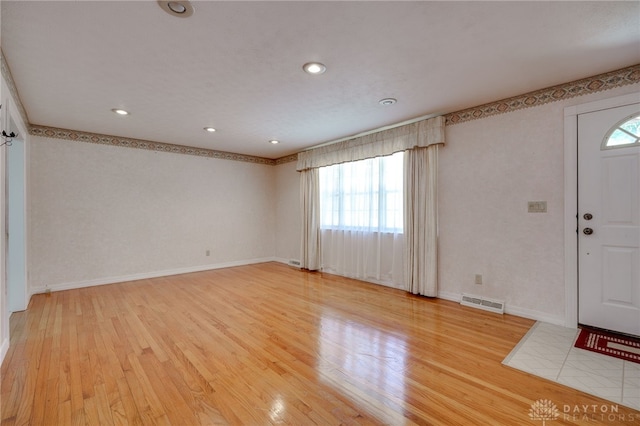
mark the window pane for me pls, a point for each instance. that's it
(627, 133)
(363, 195)
(632, 126)
(618, 137)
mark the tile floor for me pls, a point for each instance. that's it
(547, 351)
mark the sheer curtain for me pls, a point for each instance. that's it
(361, 219)
(406, 259)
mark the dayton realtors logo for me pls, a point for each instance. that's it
(545, 410)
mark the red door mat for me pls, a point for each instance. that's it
(606, 343)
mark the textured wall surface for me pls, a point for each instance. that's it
(99, 212)
(489, 170)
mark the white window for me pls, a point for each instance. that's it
(365, 195)
(623, 134)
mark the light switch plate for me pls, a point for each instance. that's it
(537, 206)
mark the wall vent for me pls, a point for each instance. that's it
(294, 263)
(479, 302)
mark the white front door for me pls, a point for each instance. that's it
(609, 219)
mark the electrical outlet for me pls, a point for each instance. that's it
(479, 279)
(208, 253)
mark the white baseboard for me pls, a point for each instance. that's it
(146, 275)
(446, 295)
(513, 310)
(534, 315)
(4, 349)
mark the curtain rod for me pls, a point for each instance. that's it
(379, 129)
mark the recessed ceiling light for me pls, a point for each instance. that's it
(210, 129)
(176, 7)
(120, 111)
(314, 68)
(387, 101)
(181, 8)
(274, 142)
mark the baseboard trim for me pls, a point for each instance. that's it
(513, 310)
(446, 295)
(534, 315)
(281, 260)
(147, 275)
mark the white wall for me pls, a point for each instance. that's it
(106, 214)
(287, 212)
(489, 169)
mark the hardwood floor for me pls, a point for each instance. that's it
(266, 344)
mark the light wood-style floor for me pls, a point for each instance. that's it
(265, 344)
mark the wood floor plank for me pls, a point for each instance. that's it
(91, 415)
(129, 407)
(64, 413)
(266, 344)
(75, 372)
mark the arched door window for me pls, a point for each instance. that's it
(625, 133)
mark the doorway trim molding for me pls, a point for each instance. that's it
(571, 196)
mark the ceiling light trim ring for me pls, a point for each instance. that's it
(387, 101)
(179, 8)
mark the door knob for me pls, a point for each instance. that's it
(587, 231)
(588, 216)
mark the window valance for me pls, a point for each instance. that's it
(386, 142)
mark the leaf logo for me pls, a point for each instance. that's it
(543, 409)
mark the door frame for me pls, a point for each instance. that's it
(11, 121)
(571, 196)
(17, 292)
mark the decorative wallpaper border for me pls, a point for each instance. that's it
(53, 132)
(288, 159)
(598, 83)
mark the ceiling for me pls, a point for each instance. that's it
(237, 65)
